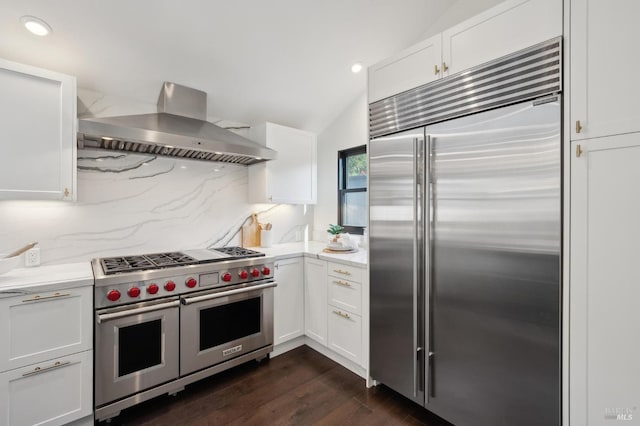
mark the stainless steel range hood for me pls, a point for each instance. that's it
(179, 129)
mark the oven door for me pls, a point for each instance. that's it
(136, 348)
(216, 326)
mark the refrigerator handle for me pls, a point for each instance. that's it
(419, 166)
(430, 208)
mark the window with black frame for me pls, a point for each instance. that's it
(352, 189)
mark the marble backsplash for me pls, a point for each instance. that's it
(132, 204)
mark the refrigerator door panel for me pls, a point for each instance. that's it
(495, 288)
(395, 193)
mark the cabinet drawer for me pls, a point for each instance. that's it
(345, 334)
(54, 392)
(350, 273)
(345, 294)
(38, 327)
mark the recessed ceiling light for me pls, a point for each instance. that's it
(36, 25)
(356, 68)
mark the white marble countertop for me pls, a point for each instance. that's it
(314, 249)
(45, 278)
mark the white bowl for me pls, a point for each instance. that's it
(7, 264)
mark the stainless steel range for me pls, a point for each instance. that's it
(165, 320)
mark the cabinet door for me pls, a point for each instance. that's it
(501, 30)
(413, 67)
(288, 319)
(38, 327)
(291, 178)
(54, 392)
(604, 274)
(37, 133)
(604, 89)
(315, 300)
(345, 334)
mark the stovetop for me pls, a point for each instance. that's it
(144, 262)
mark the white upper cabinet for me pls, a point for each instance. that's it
(37, 133)
(604, 66)
(292, 177)
(499, 31)
(406, 70)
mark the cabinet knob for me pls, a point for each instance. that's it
(578, 126)
(445, 68)
(578, 150)
(436, 70)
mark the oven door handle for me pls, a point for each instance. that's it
(190, 300)
(136, 311)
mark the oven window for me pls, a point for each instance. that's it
(140, 347)
(225, 323)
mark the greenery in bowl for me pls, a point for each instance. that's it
(335, 229)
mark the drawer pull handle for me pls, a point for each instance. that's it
(39, 298)
(342, 314)
(340, 271)
(342, 283)
(39, 370)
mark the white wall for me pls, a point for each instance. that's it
(347, 131)
(133, 204)
(459, 11)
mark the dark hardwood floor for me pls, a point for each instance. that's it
(301, 387)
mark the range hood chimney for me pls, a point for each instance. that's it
(178, 129)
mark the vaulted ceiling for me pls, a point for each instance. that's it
(285, 61)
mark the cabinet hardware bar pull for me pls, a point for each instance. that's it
(342, 314)
(130, 312)
(578, 150)
(39, 370)
(39, 298)
(436, 70)
(445, 67)
(340, 271)
(578, 126)
(342, 283)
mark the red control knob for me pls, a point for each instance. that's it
(134, 292)
(153, 288)
(191, 282)
(170, 286)
(266, 271)
(255, 272)
(244, 274)
(113, 295)
(226, 277)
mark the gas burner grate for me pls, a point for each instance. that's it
(239, 252)
(113, 265)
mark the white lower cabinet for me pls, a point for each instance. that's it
(54, 392)
(42, 326)
(345, 334)
(315, 300)
(46, 356)
(288, 319)
(604, 314)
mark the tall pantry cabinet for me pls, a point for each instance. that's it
(604, 290)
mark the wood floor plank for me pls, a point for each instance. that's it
(300, 387)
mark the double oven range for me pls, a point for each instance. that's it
(165, 320)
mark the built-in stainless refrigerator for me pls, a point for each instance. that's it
(465, 247)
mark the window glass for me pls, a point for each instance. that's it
(354, 210)
(352, 189)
